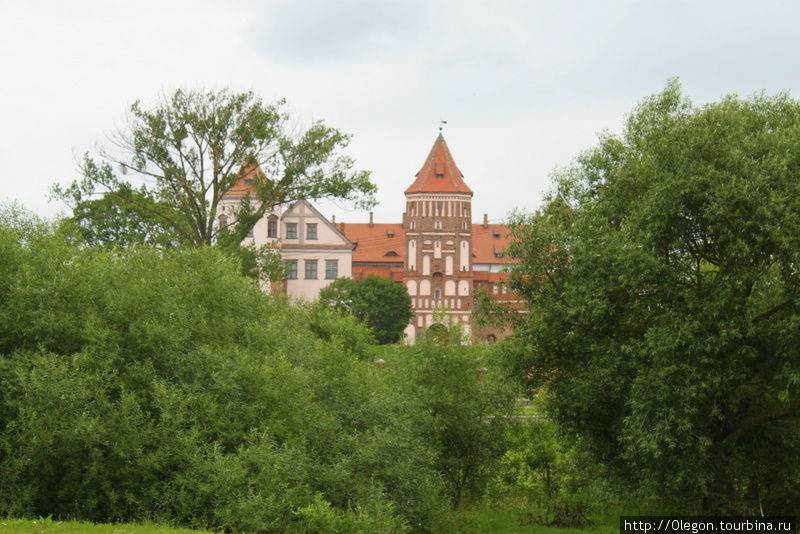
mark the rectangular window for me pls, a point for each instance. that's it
(311, 269)
(331, 270)
(291, 230)
(272, 228)
(311, 231)
(291, 270)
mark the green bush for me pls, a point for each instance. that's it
(466, 399)
(145, 385)
(549, 477)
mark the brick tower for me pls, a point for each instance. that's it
(438, 228)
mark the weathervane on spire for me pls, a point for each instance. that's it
(441, 125)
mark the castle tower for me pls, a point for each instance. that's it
(438, 229)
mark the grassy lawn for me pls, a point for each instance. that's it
(481, 521)
(505, 522)
(48, 526)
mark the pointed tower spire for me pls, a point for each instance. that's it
(439, 173)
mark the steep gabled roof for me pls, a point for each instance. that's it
(439, 173)
(292, 211)
(244, 185)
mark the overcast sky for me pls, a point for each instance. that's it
(524, 85)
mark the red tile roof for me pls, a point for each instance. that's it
(246, 173)
(373, 243)
(439, 173)
(488, 242)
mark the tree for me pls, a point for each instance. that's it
(138, 384)
(662, 279)
(382, 304)
(188, 150)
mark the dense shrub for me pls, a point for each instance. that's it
(466, 400)
(139, 384)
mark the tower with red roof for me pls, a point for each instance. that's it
(438, 243)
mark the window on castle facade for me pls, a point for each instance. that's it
(437, 294)
(311, 231)
(291, 270)
(272, 226)
(331, 270)
(291, 230)
(311, 269)
(437, 225)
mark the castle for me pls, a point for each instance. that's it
(440, 256)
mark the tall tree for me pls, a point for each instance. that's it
(186, 151)
(664, 290)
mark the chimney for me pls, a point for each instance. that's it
(485, 220)
(333, 219)
(370, 220)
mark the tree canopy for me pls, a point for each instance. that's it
(162, 179)
(138, 384)
(382, 304)
(662, 280)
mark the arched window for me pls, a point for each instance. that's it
(424, 288)
(463, 287)
(491, 338)
(412, 287)
(450, 288)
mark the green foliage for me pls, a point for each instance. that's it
(138, 384)
(188, 150)
(110, 220)
(50, 526)
(550, 475)
(380, 303)
(445, 329)
(467, 396)
(663, 288)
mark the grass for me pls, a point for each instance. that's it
(51, 526)
(507, 522)
(481, 520)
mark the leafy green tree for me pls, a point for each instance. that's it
(138, 384)
(468, 397)
(186, 151)
(382, 304)
(662, 280)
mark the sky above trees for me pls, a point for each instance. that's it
(523, 85)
